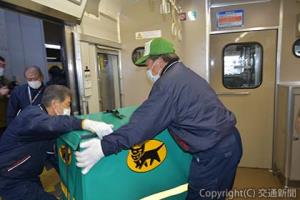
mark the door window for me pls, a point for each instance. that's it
(137, 53)
(296, 48)
(242, 65)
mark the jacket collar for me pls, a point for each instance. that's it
(43, 108)
(168, 66)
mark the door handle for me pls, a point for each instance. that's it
(232, 93)
(295, 128)
(295, 137)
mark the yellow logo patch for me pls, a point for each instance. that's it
(145, 157)
(66, 154)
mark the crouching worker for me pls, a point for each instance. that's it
(31, 134)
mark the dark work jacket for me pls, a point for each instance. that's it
(182, 102)
(3, 102)
(19, 99)
(24, 144)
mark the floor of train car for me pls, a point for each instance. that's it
(246, 179)
(261, 180)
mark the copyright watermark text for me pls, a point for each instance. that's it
(249, 193)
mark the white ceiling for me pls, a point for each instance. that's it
(111, 8)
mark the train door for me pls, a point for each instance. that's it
(108, 80)
(242, 72)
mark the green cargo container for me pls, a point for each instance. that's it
(125, 176)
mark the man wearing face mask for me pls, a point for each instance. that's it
(26, 94)
(184, 103)
(32, 133)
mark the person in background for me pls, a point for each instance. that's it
(56, 76)
(4, 95)
(32, 133)
(29, 93)
(184, 103)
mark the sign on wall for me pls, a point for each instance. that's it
(232, 18)
(147, 34)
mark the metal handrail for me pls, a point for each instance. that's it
(233, 93)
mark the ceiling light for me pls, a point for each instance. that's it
(52, 46)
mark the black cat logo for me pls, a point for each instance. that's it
(145, 157)
(65, 154)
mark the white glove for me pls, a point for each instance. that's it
(91, 154)
(100, 128)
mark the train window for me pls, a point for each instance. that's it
(296, 48)
(136, 54)
(242, 65)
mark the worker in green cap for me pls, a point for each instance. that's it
(184, 103)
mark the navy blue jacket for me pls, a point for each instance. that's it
(20, 99)
(182, 102)
(24, 144)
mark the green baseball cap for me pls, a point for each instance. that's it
(155, 47)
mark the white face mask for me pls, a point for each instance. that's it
(67, 111)
(150, 75)
(34, 84)
(1, 71)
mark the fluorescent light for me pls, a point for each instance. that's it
(52, 46)
(212, 63)
(192, 15)
(51, 58)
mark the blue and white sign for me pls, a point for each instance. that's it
(232, 18)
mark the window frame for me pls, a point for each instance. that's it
(132, 57)
(262, 63)
(293, 47)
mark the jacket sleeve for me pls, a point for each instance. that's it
(13, 106)
(43, 127)
(151, 118)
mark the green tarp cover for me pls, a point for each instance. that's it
(112, 178)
